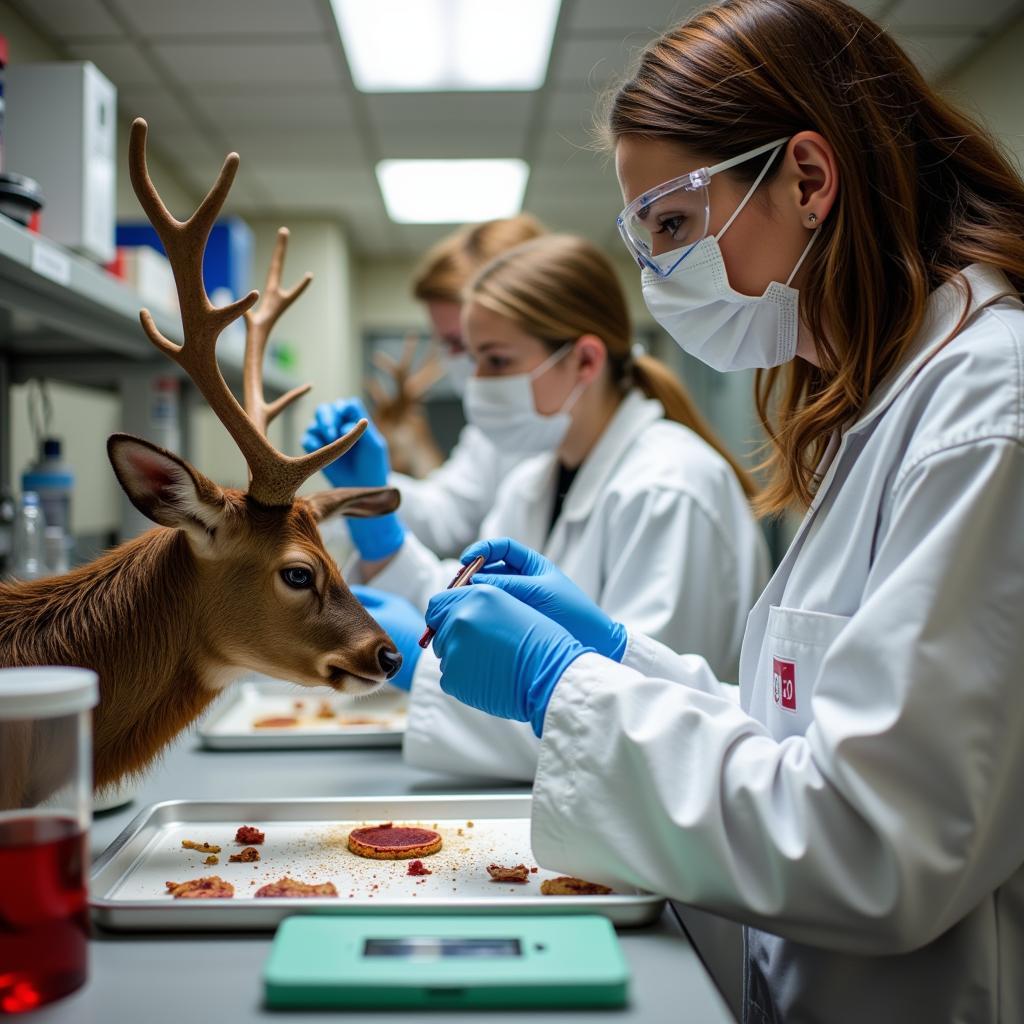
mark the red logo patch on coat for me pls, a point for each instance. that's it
(784, 684)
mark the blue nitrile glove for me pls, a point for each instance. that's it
(497, 654)
(365, 464)
(530, 577)
(401, 621)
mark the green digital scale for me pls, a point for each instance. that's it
(449, 962)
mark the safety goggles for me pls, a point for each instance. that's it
(674, 216)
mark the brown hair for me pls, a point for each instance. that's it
(924, 191)
(559, 287)
(448, 266)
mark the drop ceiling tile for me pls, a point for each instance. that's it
(872, 8)
(612, 16)
(978, 14)
(428, 141)
(420, 237)
(589, 180)
(567, 147)
(571, 106)
(937, 54)
(318, 188)
(596, 62)
(296, 145)
(122, 63)
(205, 18)
(256, 107)
(451, 108)
(70, 19)
(260, 64)
(158, 106)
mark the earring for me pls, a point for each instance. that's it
(812, 219)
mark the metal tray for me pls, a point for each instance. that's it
(306, 839)
(229, 726)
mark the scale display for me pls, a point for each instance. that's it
(437, 948)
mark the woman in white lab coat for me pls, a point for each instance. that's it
(859, 809)
(445, 508)
(623, 486)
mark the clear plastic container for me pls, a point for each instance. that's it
(55, 546)
(45, 808)
(29, 533)
(52, 479)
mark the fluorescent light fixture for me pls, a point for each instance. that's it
(440, 45)
(452, 191)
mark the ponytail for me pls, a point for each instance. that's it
(657, 381)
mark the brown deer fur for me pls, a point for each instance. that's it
(165, 630)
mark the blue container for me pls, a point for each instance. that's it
(228, 260)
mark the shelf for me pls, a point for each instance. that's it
(65, 318)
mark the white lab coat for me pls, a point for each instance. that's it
(445, 509)
(860, 810)
(655, 528)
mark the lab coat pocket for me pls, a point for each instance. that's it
(795, 645)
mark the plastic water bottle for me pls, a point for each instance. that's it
(29, 530)
(51, 478)
(55, 547)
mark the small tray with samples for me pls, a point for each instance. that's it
(266, 714)
(136, 883)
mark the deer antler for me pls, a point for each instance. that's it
(410, 385)
(274, 478)
(259, 322)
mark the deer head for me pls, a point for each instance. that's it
(399, 413)
(280, 604)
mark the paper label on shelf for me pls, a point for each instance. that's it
(49, 261)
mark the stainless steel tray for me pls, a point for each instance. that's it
(306, 839)
(229, 726)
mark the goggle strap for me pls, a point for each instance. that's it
(735, 161)
(752, 189)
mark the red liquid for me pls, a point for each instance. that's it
(44, 923)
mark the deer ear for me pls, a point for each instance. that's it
(165, 488)
(357, 502)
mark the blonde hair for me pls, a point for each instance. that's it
(448, 266)
(560, 287)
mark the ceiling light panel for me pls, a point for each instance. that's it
(446, 45)
(451, 191)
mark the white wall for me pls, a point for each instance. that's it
(991, 85)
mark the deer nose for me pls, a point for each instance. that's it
(390, 661)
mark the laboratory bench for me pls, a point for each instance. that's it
(154, 978)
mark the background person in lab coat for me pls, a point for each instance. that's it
(445, 508)
(859, 810)
(627, 489)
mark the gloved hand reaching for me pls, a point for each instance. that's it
(365, 464)
(530, 577)
(401, 621)
(497, 654)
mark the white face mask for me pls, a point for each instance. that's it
(697, 306)
(458, 370)
(503, 409)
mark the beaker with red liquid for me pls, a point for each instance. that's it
(45, 809)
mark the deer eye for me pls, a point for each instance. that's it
(297, 577)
